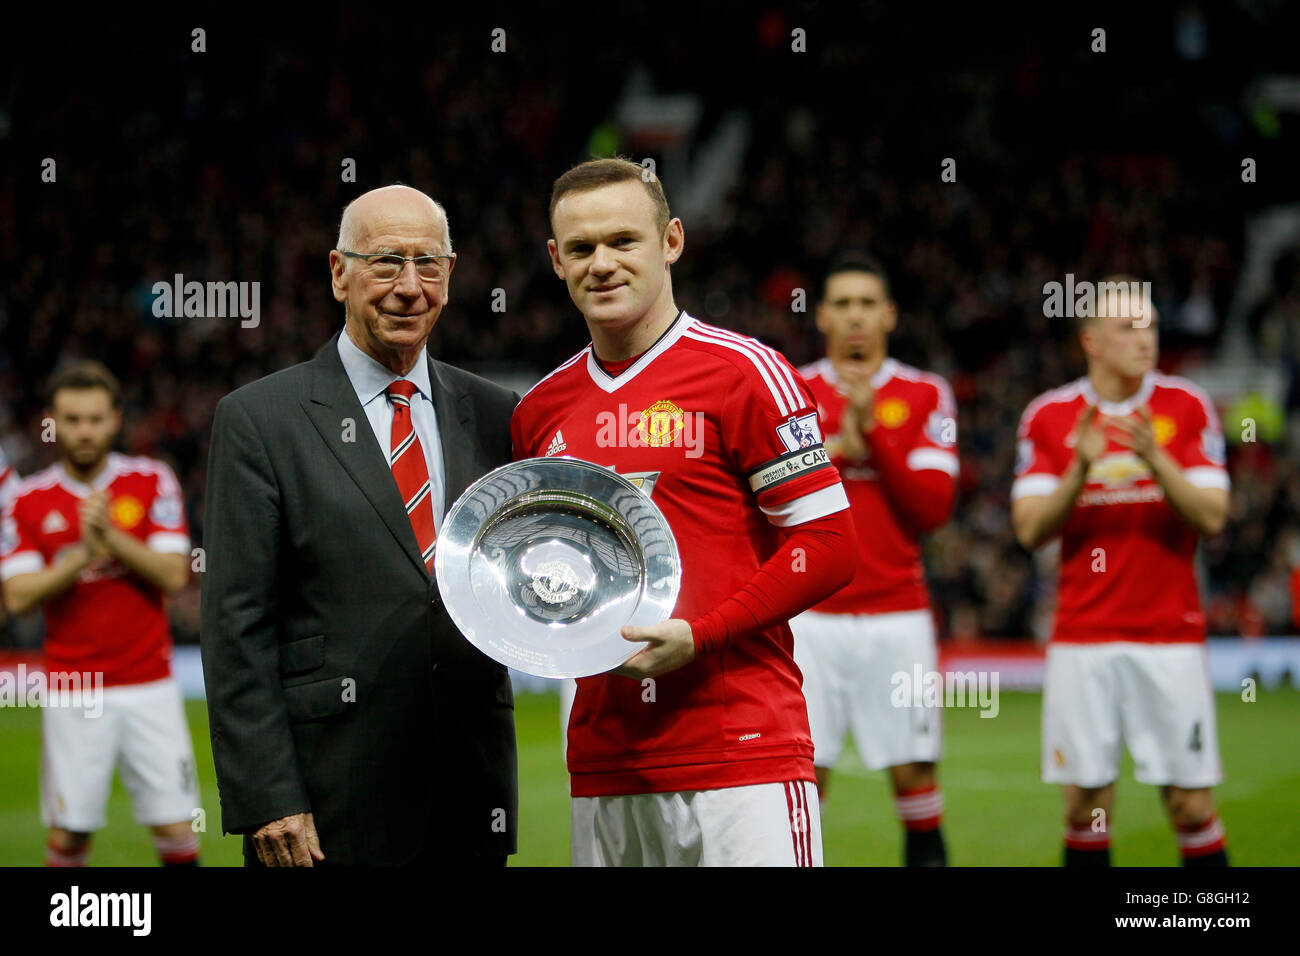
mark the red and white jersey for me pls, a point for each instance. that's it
(109, 620)
(722, 433)
(1126, 556)
(916, 419)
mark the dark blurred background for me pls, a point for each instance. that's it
(226, 165)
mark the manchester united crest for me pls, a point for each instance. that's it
(892, 412)
(126, 512)
(661, 423)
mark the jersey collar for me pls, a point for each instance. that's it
(1120, 409)
(888, 369)
(607, 383)
(101, 481)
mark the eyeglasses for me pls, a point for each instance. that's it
(386, 267)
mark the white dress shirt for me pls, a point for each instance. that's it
(370, 379)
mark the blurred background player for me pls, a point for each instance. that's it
(8, 479)
(97, 539)
(8, 484)
(1127, 465)
(892, 433)
(703, 757)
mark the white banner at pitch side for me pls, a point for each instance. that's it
(1270, 661)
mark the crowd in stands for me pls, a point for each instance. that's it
(236, 175)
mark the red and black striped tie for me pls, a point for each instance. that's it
(410, 469)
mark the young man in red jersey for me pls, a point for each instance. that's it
(695, 752)
(97, 539)
(892, 433)
(1126, 465)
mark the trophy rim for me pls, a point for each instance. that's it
(565, 482)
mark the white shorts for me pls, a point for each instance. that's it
(849, 663)
(568, 690)
(142, 730)
(1155, 698)
(767, 824)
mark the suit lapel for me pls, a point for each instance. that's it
(455, 426)
(333, 399)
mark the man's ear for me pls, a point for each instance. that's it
(554, 250)
(674, 241)
(819, 316)
(338, 275)
(891, 316)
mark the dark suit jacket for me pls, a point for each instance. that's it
(336, 682)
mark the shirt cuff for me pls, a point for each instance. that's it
(21, 562)
(809, 507)
(1031, 486)
(1207, 476)
(168, 542)
(933, 459)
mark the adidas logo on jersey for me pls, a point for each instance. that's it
(53, 523)
(557, 444)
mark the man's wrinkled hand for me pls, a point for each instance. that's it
(671, 645)
(289, 841)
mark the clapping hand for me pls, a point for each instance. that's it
(1138, 435)
(93, 512)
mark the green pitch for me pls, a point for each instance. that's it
(998, 813)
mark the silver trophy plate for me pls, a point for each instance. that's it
(541, 562)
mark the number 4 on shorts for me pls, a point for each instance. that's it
(1194, 745)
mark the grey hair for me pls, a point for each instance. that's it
(349, 232)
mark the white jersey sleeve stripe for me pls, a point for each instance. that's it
(776, 395)
(557, 370)
(168, 542)
(755, 348)
(21, 562)
(1207, 476)
(809, 507)
(933, 459)
(775, 360)
(1033, 485)
(745, 346)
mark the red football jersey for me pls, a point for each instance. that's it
(722, 433)
(109, 620)
(1126, 556)
(915, 415)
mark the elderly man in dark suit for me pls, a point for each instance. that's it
(351, 722)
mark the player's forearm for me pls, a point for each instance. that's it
(23, 592)
(814, 561)
(923, 497)
(1205, 509)
(1037, 520)
(169, 572)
